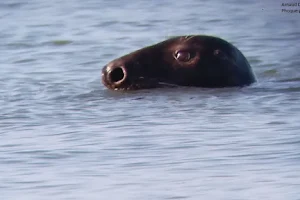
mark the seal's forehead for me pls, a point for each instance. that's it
(187, 38)
(187, 42)
(181, 39)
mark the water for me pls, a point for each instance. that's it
(64, 136)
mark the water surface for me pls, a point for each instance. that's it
(64, 136)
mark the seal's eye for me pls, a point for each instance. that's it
(183, 56)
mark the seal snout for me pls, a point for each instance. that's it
(114, 76)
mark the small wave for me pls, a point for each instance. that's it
(214, 20)
(61, 42)
(254, 60)
(11, 5)
(25, 61)
(21, 45)
(270, 72)
(291, 89)
(297, 79)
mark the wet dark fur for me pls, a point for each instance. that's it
(214, 63)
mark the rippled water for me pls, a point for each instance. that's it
(64, 136)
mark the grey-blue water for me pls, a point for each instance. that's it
(64, 136)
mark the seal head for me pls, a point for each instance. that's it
(199, 61)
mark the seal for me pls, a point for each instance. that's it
(195, 60)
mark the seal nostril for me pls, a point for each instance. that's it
(117, 74)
